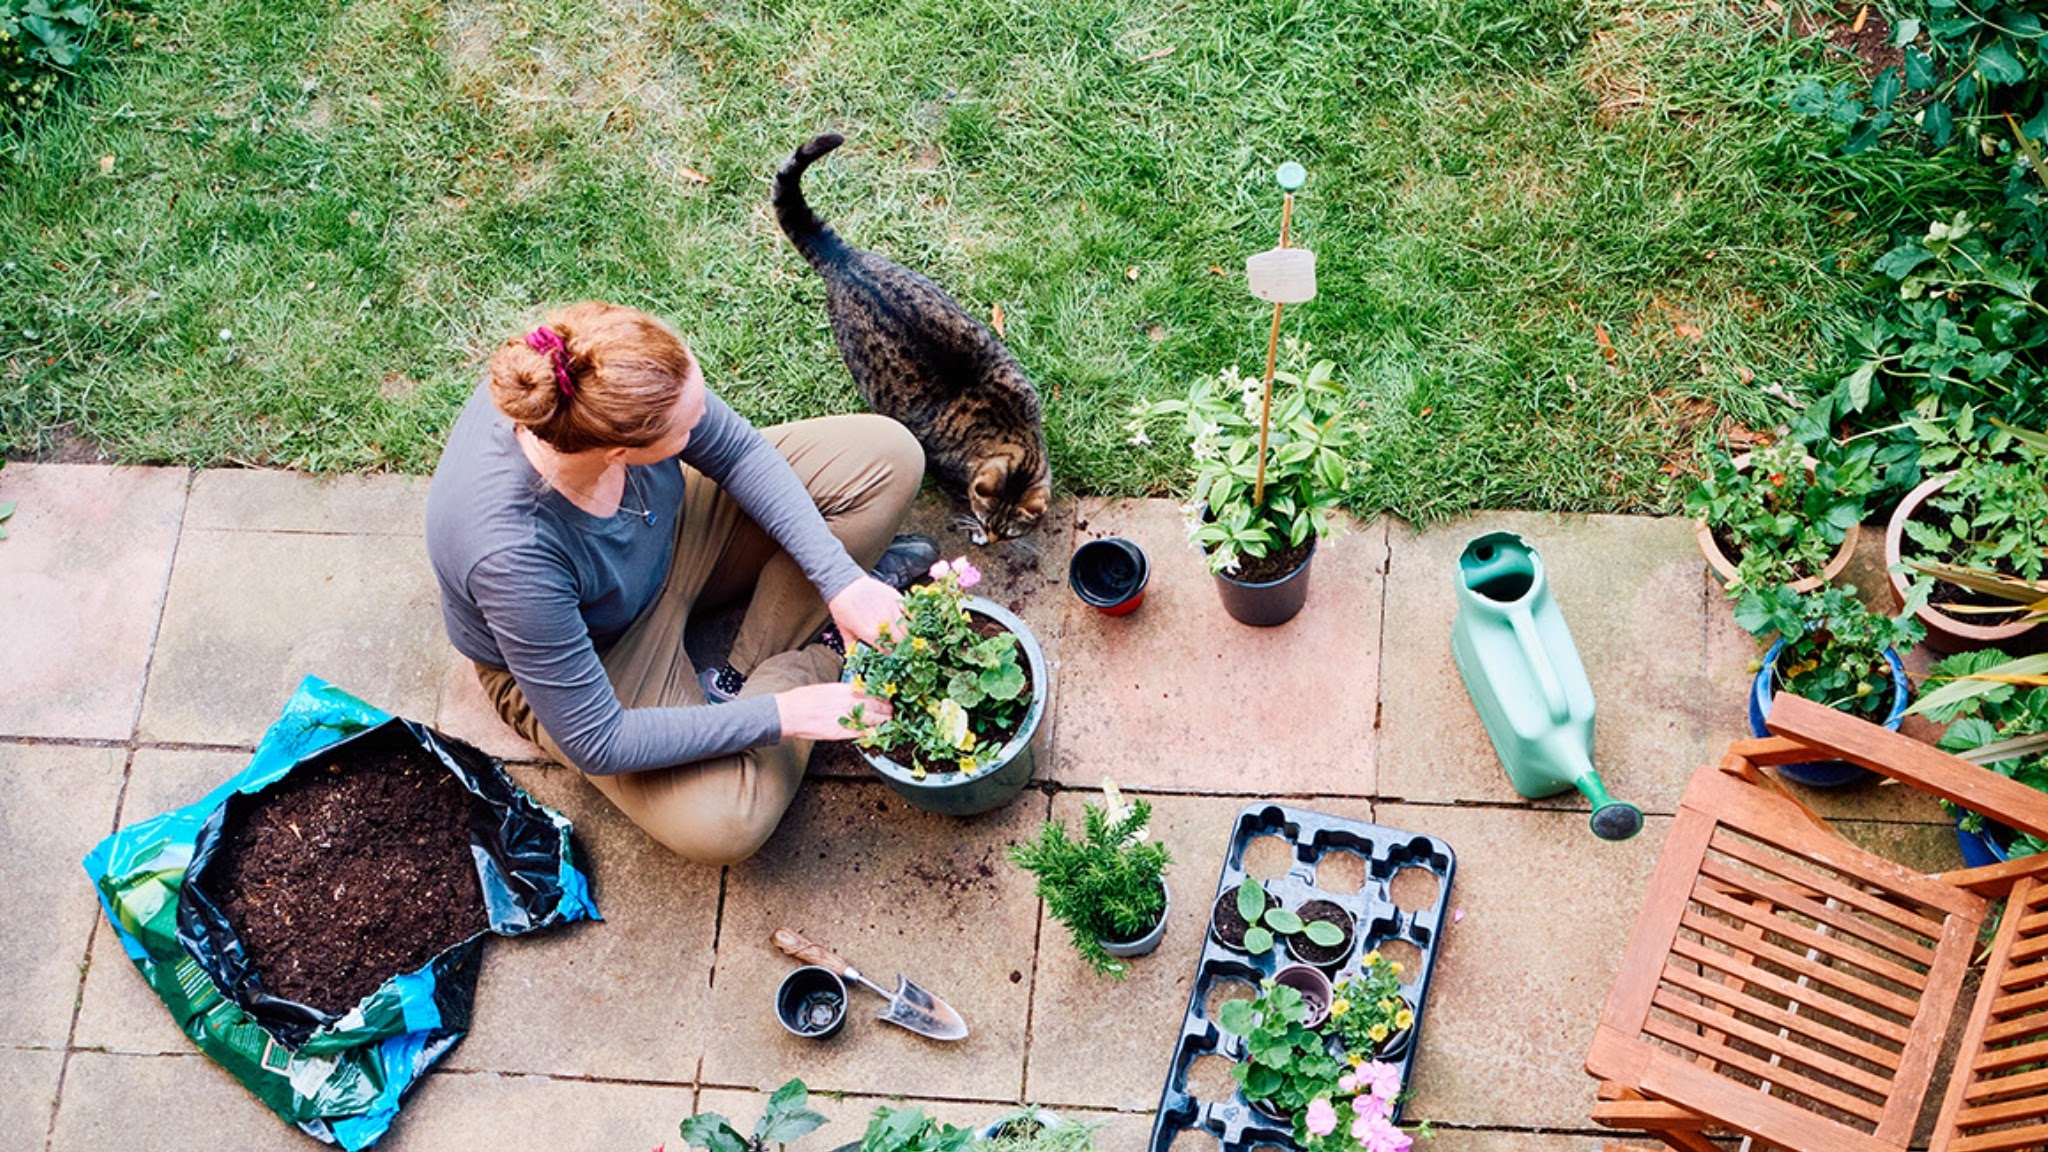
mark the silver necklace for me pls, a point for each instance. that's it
(646, 514)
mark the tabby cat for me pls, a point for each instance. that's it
(920, 359)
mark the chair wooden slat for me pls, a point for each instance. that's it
(1785, 896)
(2026, 1108)
(2023, 977)
(1854, 897)
(2014, 1003)
(1937, 1005)
(1784, 1047)
(1998, 1059)
(1857, 987)
(2029, 1139)
(1730, 994)
(2004, 1031)
(1740, 1108)
(1783, 1078)
(1809, 997)
(1999, 1087)
(1830, 946)
(2032, 949)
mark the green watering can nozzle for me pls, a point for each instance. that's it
(1617, 821)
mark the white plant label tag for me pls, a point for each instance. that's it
(1282, 275)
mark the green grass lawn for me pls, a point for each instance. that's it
(287, 232)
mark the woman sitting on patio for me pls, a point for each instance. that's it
(591, 497)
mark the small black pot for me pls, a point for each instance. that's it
(1266, 605)
(811, 1003)
(1307, 951)
(1226, 927)
(1109, 575)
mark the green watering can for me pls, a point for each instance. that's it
(1526, 679)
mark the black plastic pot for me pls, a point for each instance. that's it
(1269, 604)
(1307, 951)
(1109, 575)
(811, 1003)
(1228, 899)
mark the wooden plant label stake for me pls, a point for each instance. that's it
(1284, 276)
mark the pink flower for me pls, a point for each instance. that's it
(1372, 1106)
(968, 573)
(1381, 1136)
(1348, 1082)
(1381, 1079)
(1322, 1118)
(941, 570)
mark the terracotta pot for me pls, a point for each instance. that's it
(1723, 566)
(1946, 633)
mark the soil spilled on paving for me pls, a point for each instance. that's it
(347, 875)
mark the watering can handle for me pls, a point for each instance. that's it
(1539, 661)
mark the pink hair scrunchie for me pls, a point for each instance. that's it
(546, 339)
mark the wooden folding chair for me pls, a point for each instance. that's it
(1785, 985)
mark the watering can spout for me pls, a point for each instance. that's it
(1526, 679)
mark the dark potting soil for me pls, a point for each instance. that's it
(1871, 46)
(1271, 567)
(1733, 552)
(988, 742)
(350, 874)
(1228, 922)
(1331, 913)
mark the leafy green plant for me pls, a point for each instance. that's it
(1105, 885)
(952, 688)
(1996, 709)
(910, 1130)
(785, 1120)
(1309, 460)
(1268, 921)
(1834, 644)
(1367, 1010)
(1993, 513)
(1782, 520)
(1286, 1065)
(40, 43)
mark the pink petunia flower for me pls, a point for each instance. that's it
(1382, 1136)
(942, 569)
(968, 573)
(1372, 1106)
(1321, 1118)
(1381, 1079)
(1348, 1082)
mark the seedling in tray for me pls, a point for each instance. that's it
(1268, 921)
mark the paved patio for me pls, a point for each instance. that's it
(154, 620)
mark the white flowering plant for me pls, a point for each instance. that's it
(1313, 447)
(956, 694)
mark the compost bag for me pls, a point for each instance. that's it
(339, 1078)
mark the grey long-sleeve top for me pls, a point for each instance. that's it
(533, 584)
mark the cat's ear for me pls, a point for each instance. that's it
(1035, 501)
(989, 478)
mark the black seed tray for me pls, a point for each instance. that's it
(1312, 837)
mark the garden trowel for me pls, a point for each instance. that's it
(909, 1006)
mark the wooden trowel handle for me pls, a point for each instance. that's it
(795, 946)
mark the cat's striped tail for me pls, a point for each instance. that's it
(813, 237)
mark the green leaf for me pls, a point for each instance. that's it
(786, 1119)
(1997, 64)
(1939, 124)
(709, 1130)
(6, 510)
(1324, 933)
(1919, 70)
(1886, 89)
(1003, 683)
(1235, 1017)
(1900, 262)
(1258, 940)
(1282, 921)
(1251, 900)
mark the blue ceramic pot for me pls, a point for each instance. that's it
(1981, 848)
(1822, 773)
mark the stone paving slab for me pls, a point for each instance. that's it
(82, 577)
(449, 1112)
(164, 1104)
(59, 802)
(118, 1011)
(624, 999)
(1179, 697)
(28, 1084)
(251, 613)
(1521, 980)
(1104, 1043)
(1633, 592)
(267, 500)
(892, 889)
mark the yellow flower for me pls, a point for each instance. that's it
(1373, 957)
(889, 689)
(860, 685)
(919, 644)
(1394, 966)
(1386, 1006)
(1357, 1061)
(1378, 1033)
(969, 764)
(1403, 1019)
(968, 741)
(1339, 1006)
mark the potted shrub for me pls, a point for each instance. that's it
(1108, 886)
(1987, 516)
(1260, 540)
(1369, 1015)
(969, 686)
(1778, 516)
(1830, 648)
(1996, 709)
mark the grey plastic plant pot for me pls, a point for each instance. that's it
(998, 781)
(1126, 949)
(1272, 603)
(811, 1003)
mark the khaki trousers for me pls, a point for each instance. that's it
(863, 471)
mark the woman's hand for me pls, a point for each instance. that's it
(863, 607)
(814, 711)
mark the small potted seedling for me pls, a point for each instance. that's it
(1368, 1014)
(1247, 920)
(1833, 650)
(785, 1120)
(1313, 945)
(1285, 1064)
(1108, 886)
